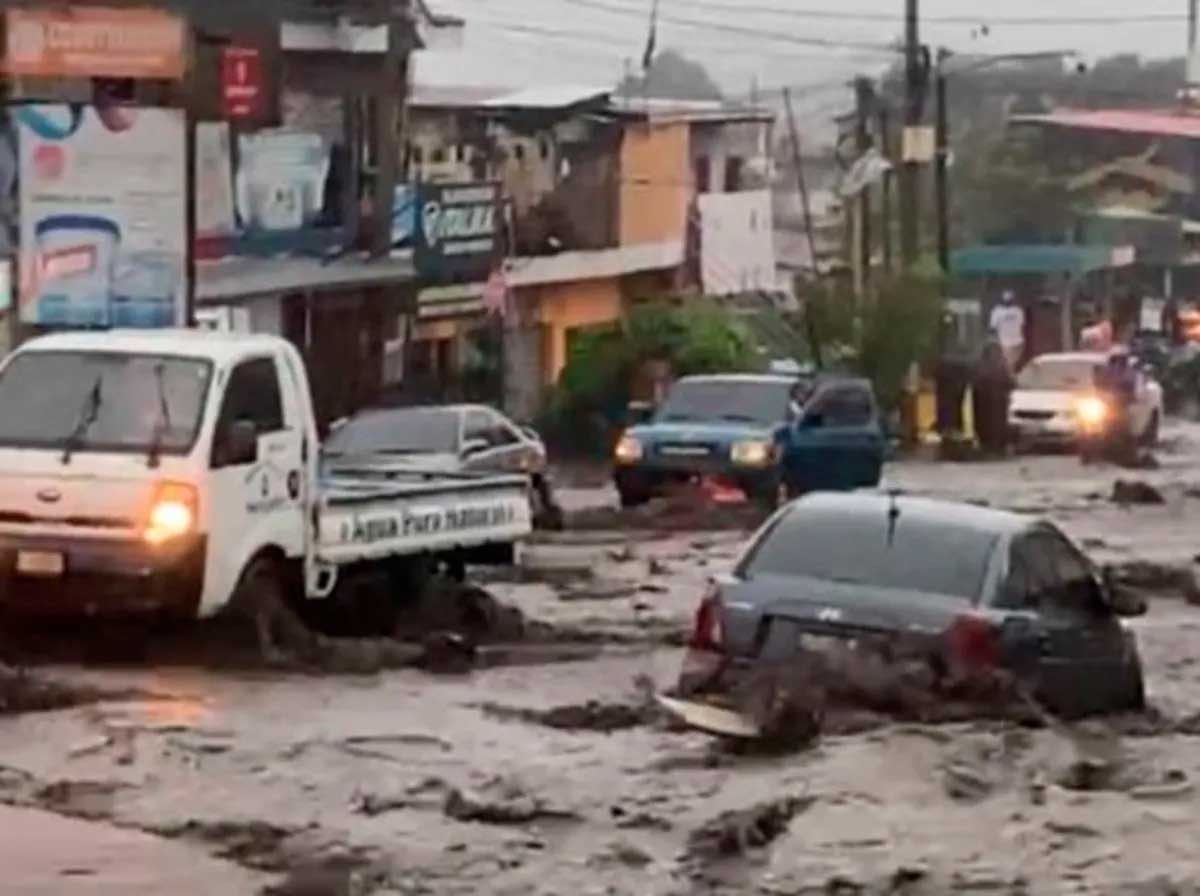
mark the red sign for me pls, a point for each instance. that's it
(241, 82)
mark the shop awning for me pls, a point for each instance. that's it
(1039, 259)
(232, 279)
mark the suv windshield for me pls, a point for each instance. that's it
(920, 557)
(100, 401)
(763, 402)
(1058, 374)
(401, 431)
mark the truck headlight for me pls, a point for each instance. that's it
(1091, 411)
(629, 450)
(752, 454)
(172, 513)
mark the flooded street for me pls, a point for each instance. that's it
(547, 772)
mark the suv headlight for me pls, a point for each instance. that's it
(752, 454)
(629, 450)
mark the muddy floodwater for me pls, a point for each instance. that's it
(544, 770)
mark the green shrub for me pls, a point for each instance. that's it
(588, 404)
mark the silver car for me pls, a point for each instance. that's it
(443, 438)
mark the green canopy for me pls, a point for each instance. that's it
(1037, 259)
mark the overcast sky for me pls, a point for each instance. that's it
(811, 45)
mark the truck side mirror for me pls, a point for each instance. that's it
(639, 412)
(238, 444)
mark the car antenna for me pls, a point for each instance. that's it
(893, 515)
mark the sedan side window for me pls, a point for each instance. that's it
(1023, 587)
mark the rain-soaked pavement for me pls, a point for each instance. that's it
(540, 777)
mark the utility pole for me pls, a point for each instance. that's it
(885, 199)
(1193, 10)
(864, 94)
(942, 163)
(798, 162)
(910, 170)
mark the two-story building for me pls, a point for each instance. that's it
(609, 201)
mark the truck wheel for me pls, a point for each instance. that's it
(632, 495)
(769, 494)
(262, 597)
(547, 515)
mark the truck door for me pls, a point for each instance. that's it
(254, 500)
(836, 444)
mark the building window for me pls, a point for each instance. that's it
(733, 174)
(703, 168)
(438, 156)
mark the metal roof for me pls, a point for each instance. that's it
(665, 110)
(561, 96)
(1158, 122)
(437, 96)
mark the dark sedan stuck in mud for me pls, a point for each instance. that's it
(837, 579)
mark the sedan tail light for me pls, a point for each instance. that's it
(706, 630)
(974, 643)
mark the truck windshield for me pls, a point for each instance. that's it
(764, 402)
(101, 401)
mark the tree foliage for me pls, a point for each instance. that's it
(672, 76)
(595, 386)
(881, 338)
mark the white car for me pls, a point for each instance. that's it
(1053, 390)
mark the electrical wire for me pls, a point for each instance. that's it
(898, 17)
(730, 28)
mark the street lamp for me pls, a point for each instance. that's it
(942, 135)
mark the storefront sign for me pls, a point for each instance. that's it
(88, 42)
(281, 179)
(102, 216)
(458, 232)
(242, 82)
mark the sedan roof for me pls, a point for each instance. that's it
(870, 507)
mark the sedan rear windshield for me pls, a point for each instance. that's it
(945, 560)
(102, 401)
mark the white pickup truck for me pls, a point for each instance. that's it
(161, 471)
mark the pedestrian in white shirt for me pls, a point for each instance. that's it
(1008, 323)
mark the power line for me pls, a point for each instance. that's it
(896, 18)
(591, 38)
(729, 28)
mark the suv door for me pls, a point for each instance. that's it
(837, 443)
(254, 500)
(1081, 646)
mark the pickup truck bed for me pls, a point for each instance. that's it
(368, 517)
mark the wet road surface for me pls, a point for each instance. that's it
(506, 781)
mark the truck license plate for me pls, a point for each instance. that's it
(40, 563)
